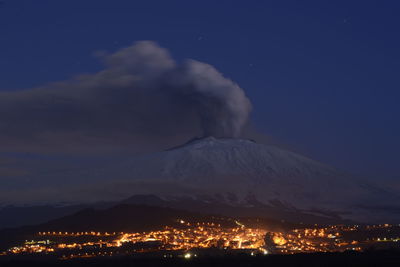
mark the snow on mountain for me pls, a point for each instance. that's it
(237, 170)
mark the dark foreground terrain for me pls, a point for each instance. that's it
(371, 258)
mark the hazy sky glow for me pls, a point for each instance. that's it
(322, 77)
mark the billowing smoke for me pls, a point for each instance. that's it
(142, 95)
(221, 104)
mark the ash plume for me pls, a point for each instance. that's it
(142, 95)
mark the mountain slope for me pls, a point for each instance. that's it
(120, 218)
(128, 218)
(235, 175)
(236, 171)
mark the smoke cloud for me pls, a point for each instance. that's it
(142, 95)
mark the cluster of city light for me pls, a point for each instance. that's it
(307, 240)
(32, 248)
(203, 235)
(200, 237)
(91, 233)
(326, 239)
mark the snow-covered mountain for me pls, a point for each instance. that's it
(228, 176)
(239, 172)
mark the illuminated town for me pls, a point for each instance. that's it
(205, 238)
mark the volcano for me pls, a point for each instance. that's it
(234, 177)
(239, 173)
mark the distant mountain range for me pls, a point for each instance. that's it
(15, 217)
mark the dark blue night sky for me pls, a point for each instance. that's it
(323, 76)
